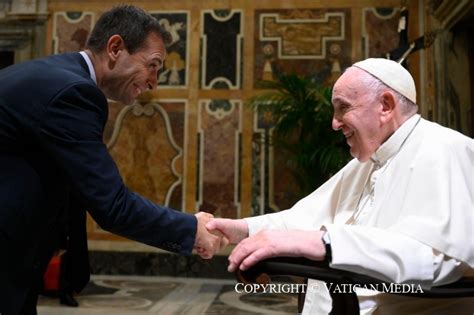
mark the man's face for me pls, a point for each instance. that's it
(134, 73)
(357, 114)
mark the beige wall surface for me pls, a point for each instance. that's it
(191, 143)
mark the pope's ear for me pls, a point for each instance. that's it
(115, 45)
(388, 103)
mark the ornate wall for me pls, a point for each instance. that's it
(191, 143)
(450, 64)
(22, 28)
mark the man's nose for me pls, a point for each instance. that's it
(336, 123)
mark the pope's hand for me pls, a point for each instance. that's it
(273, 243)
(233, 230)
(207, 244)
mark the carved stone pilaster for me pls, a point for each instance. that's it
(22, 27)
(449, 12)
(452, 79)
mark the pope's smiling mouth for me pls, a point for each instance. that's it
(348, 135)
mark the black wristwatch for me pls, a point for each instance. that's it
(327, 243)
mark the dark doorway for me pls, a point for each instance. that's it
(7, 58)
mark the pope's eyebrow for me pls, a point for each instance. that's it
(338, 99)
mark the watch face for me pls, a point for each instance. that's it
(327, 244)
(326, 239)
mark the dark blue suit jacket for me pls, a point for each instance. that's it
(52, 117)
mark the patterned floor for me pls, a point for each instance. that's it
(127, 295)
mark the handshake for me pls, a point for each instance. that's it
(214, 234)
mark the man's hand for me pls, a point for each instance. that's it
(272, 243)
(233, 230)
(207, 244)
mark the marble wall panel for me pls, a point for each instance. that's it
(310, 42)
(148, 147)
(219, 127)
(147, 142)
(379, 31)
(70, 30)
(177, 117)
(114, 110)
(221, 49)
(273, 185)
(175, 70)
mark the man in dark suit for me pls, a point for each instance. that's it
(52, 117)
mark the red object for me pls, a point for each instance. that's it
(51, 276)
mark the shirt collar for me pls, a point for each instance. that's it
(89, 65)
(393, 144)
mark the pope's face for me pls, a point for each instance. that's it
(134, 73)
(357, 114)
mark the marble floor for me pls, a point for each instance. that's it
(127, 295)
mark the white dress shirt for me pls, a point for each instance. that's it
(89, 65)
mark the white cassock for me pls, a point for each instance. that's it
(406, 215)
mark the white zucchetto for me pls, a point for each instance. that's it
(392, 74)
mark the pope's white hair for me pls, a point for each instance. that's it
(377, 87)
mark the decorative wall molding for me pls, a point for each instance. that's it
(449, 12)
(70, 30)
(162, 166)
(221, 46)
(219, 153)
(263, 153)
(149, 110)
(175, 72)
(12, 39)
(22, 27)
(5, 7)
(311, 42)
(384, 37)
(299, 38)
(26, 7)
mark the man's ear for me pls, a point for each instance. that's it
(115, 45)
(388, 104)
